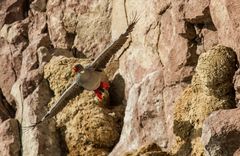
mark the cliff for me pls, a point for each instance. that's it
(174, 85)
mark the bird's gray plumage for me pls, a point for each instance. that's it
(102, 59)
(90, 78)
(62, 101)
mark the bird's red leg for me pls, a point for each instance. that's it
(105, 85)
(98, 93)
(102, 93)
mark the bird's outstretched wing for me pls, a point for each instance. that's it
(102, 59)
(72, 91)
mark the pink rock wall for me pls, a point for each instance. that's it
(157, 65)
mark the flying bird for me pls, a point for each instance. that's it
(90, 77)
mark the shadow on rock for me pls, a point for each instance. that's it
(117, 90)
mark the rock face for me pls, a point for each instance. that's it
(13, 42)
(221, 132)
(6, 110)
(155, 71)
(224, 12)
(11, 11)
(40, 40)
(32, 93)
(211, 89)
(84, 25)
(10, 138)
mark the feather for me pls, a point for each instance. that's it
(63, 100)
(72, 90)
(102, 59)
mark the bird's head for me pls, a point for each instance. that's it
(77, 68)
